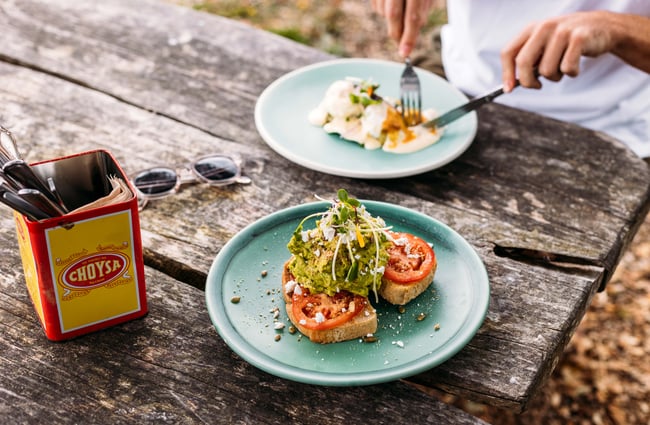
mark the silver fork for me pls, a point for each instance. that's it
(410, 96)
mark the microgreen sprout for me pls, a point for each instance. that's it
(366, 94)
(353, 231)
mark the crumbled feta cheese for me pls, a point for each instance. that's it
(290, 286)
(278, 325)
(400, 241)
(297, 290)
(319, 317)
(302, 322)
(328, 231)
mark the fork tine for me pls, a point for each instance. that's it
(410, 96)
(416, 109)
(404, 104)
(409, 108)
(411, 104)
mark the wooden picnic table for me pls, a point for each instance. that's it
(550, 208)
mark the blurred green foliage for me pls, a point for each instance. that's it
(319, 24)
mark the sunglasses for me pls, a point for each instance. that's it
(159, 182)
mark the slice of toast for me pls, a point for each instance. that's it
(399, 293)
(362, 324)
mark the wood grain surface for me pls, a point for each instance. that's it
(549, 207)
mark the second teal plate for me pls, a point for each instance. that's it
(250, 266)
(282, 109)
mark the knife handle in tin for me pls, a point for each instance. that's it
(20, 172)
(22, 206)
(42, 202)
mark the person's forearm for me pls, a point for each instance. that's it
(552, 48)
(632, 33)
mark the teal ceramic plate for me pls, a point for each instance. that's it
(250, 265)
(282, 109)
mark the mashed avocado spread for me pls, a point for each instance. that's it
(347, 250)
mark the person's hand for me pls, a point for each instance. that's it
(404, 19)
(552, 48)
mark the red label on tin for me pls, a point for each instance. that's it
(94, 270)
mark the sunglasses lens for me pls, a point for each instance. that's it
(217, 169)
(156, 181)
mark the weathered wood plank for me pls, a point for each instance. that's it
(197, 68)
(557, 184)
(528, 189)
(169, 367)
(183, 234)
(220, 87)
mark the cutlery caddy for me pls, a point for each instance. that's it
(84, 270)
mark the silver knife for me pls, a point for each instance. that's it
(458, 112)
(22, 206)
(23, 175)
(42, 202)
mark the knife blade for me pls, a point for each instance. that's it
(466, 108)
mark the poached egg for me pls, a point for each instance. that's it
(351, 110)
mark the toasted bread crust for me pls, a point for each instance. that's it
(361, 325)
(365, 323)
(399, 293)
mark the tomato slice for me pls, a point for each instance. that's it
(410, 259)
(321, 311)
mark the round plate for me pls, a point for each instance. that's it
(282, 109)
(250, 267)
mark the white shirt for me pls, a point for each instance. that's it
(608, 95)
